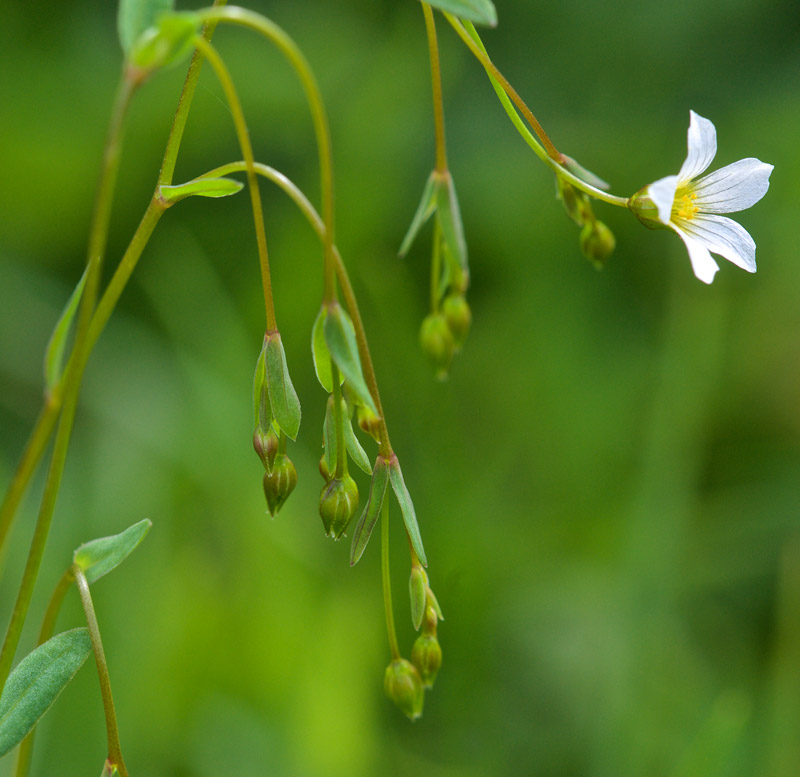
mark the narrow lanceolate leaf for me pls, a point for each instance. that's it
(329, 436)
(36, 683)
(262, 412)
(98, 557)
(54, 355)
(320, 353)
(407, 509)
(451, 224)
(425, 209)
(201, 187)
(478, 11)
(135, 16)
(341, 340)
(282, 396)
(354, 449)
(372, 510)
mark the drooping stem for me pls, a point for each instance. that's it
(350, 301)
(554, 164)
(295, 57)
(114, 749)
(22, 766)
(436, 83)
(235, 105)
(98, 237)
(387, 582)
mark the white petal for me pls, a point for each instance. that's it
(702, 143)
(662, 193)
(735, 187)
(705, 268)
(725, 237)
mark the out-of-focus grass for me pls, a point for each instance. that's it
(608, 485)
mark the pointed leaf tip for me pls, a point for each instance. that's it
(372, 510)
(407, 509)
(98, 557)
(282, 396)
(54, 354)
(425, 209)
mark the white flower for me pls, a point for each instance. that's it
(690, 206)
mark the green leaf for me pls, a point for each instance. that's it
(417, 591)
(200, 187)
(372, 510)
(585, 175)
(329, 436)
(478, 11)
(282, 396)
(135, 16)
(407, 509)
(36, 683)
(341, 340)
(166, 43)
(98, 557)
(450, 222)
(262, 412)
(425, 209)
(354, 449)
(54, 355)
(320, 353)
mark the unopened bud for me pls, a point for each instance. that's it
(437, 343)
(337, 505)
(369, 422)
(279, 483)
(597, 242)
(458, 316)
(266, 446)
(426, 656)
(417, 589)
(404, 687)
(643, 207)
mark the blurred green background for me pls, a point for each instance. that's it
(608, 486)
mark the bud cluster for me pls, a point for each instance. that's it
(596, 239)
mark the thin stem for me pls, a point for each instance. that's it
(552, 163)
(114, 749)
(292, 52)
(350, 301)
(436, 83)
(98, 237)
(184, 104)
(387, 583)
(22, 766)
(252, 182)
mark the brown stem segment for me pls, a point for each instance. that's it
(436, 84)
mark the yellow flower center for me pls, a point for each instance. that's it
(684, 206)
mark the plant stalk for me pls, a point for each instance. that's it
(436, 84)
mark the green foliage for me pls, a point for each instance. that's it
(201, 187)
(372, 510)
(36, 683)
(452, 229)
(425, 209)
(282, 395)
(98, 557)
(478, 11)
(54, 355)
(319, 351)
(407, 509)
(136, 16)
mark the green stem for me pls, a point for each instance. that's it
(114, 749)
(503, 90)
(228, 87)
(72, 379)
(387, 583)
(436, 83)
(350, 301)
(291, 51)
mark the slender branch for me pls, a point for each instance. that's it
(114, 749)
(387, 582)
(292, 52)
(351, 303)
(436, 83)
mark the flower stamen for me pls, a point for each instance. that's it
(685, 207)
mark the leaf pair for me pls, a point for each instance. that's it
(274, 396)
(386, 472)
(39, 678)
(353, 446)
(334, 338)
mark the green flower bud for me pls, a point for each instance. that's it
(279, 482)
(458, 317)
(597, 242)
(418, 593)
(437, 343)
(266, 446)
(404, 687)
(643, 207)
(575, 202)
(337, 505)
(426, 655)
(369, 422)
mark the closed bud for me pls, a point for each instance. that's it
(279, 483)
(458, 316)
(437, 343)
(643, 207)
(404, 687)
(426, 655)
(266, 446)
(337, 505)
(418, 593)
(369, 422)
(597, 242)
